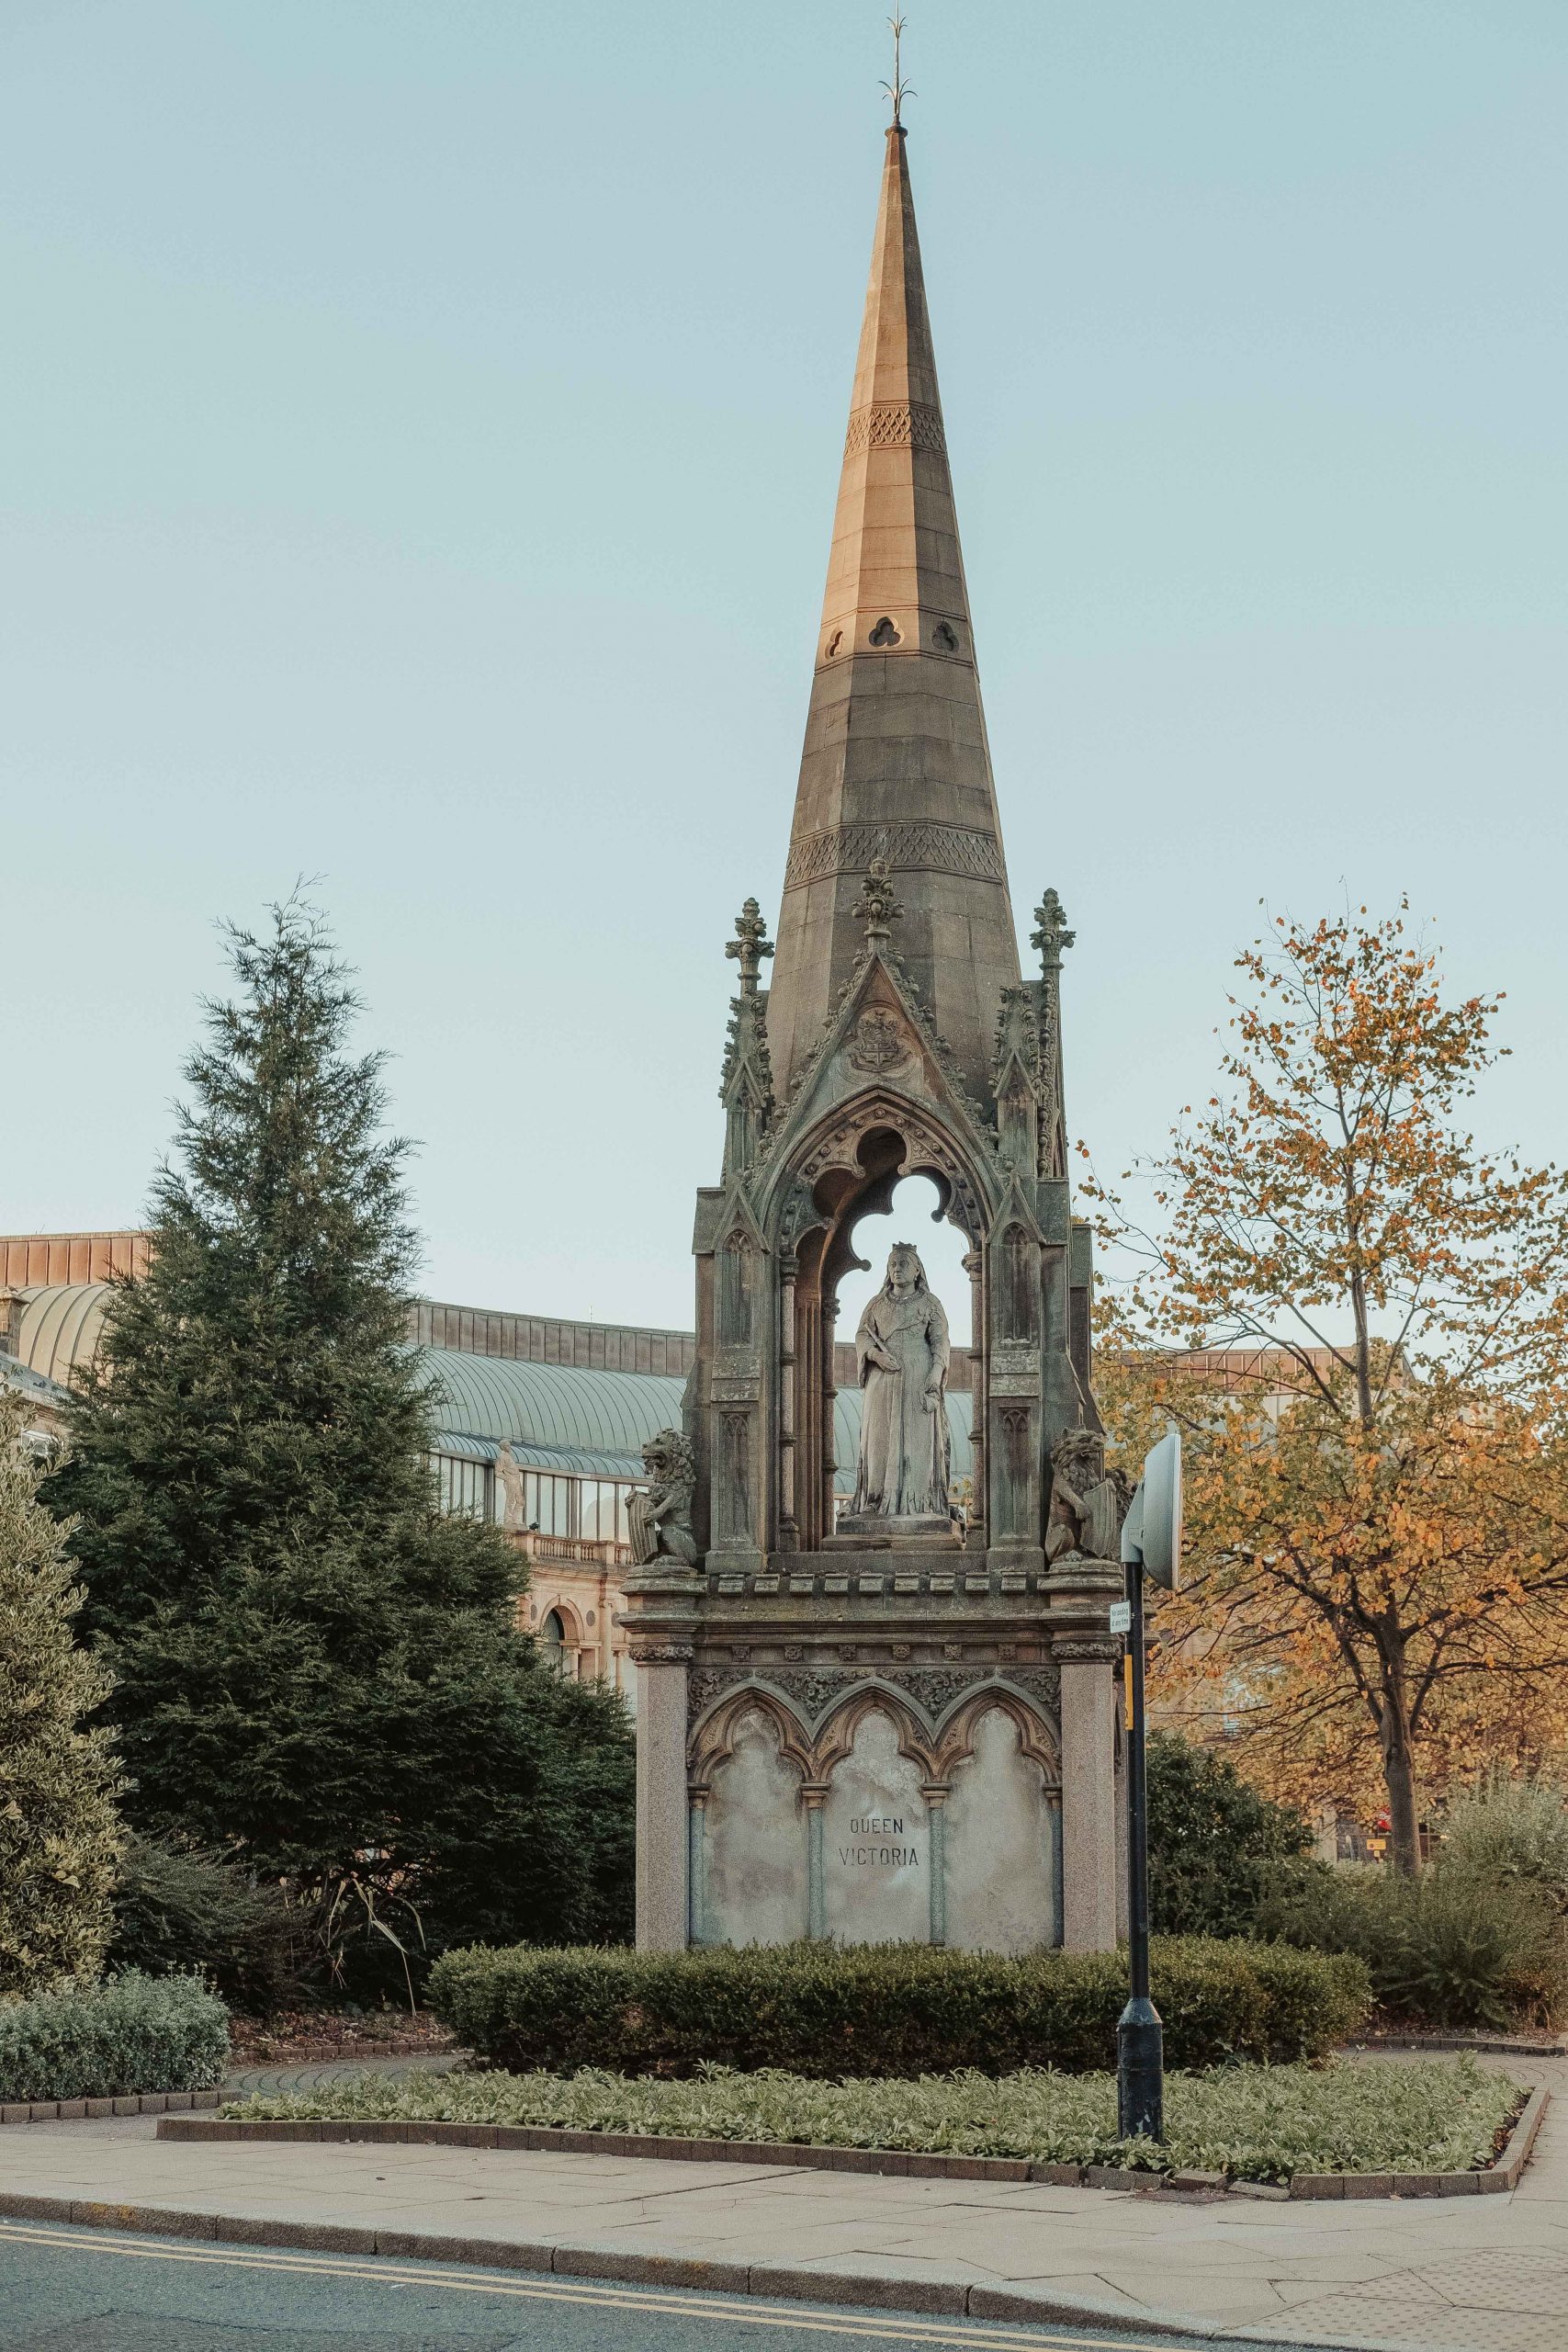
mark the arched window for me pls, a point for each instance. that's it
(552, 1641)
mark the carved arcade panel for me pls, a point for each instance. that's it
(877, 1827)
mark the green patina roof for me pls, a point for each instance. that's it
(555, 1416)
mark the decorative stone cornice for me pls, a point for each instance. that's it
(1075, 1650)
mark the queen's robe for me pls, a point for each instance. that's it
(901, 1349)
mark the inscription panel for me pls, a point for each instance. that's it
(876, 1842)
(1014, 1369)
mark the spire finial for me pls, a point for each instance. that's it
(898, 89)
(879, 908)
(1053, 934)
(749, 945)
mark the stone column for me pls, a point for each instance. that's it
(1089, 1793)
(1119, 1728)
(936, 1793)
(829, 1392)
(662, 1896)
(696, 1864)
(814, 1796)
(974, 1534)
(789, 1528)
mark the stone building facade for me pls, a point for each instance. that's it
(888, 1724)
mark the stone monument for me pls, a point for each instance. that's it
(883, 1724)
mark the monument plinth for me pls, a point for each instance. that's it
(898, 1722)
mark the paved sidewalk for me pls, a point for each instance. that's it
(1482, 2274)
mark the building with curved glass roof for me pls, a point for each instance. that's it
(583, 1419)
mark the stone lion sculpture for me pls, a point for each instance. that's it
(659, 1515)
(1087, 1501)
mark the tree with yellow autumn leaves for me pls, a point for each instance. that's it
(1358, 1317)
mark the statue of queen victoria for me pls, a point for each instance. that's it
(901, 1348)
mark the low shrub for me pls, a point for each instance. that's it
(1255, 2122)
(1512, 1830)
(1448, 1949)
(177, 1910)
(885, 2009)
(1213, 1842)
(130, 2033)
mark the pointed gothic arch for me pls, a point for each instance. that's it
(845, 1166)
(712, 1739)
(1038, 1740)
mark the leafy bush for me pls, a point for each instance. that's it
(59, 1830)
(885, 2009)
(1448, 1948)
(130, 2033)
(177, 1910)
(1215, 1844)
(1511, 1830)
(1256, 2123)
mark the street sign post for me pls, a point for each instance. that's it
(1151, 1547)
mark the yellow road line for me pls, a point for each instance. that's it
(386, 2270)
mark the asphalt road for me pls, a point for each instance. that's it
(66, 2289)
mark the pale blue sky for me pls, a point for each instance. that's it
(421, 423)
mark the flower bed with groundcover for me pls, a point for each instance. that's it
(1253, 2122)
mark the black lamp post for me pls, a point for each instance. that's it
(1151, 1545)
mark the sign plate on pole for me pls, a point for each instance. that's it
(1120, 1616)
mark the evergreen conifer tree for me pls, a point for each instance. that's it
(316, 1670)
(60, 1836)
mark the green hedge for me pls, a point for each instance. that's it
(887, 2009)
(130, 2033)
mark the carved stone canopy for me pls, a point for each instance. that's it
(884, 1137)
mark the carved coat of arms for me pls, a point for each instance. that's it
(878, 1041)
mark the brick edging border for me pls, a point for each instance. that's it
(1501, 2175)
(84, 2110)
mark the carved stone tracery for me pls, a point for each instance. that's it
(926, 1147)
(817, 1720)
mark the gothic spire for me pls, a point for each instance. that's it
(896, 764)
